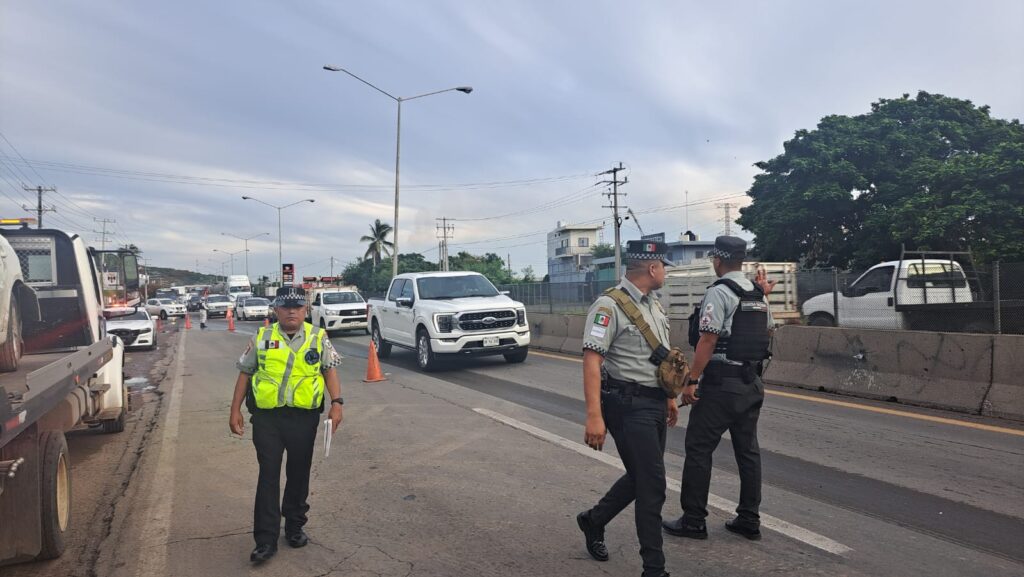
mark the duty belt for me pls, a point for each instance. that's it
(717, 370)
(631, 389)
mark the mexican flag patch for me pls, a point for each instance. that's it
(602, 319)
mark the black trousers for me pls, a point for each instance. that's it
(726, 404)
(275, 431)
(638, 426)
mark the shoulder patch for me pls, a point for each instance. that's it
(602, 319)
(710, 307)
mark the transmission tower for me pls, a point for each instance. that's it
(726, 219)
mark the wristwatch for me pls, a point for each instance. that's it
(339, 400)
(693, 382)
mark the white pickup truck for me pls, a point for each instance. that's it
(338, 309)
(448, 313)
(909, 294)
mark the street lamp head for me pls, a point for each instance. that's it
(246, 198)
(333, 68)
(464, 89)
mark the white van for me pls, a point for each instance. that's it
(238, 286)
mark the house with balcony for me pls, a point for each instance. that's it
(569, 252)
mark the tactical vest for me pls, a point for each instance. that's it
(748, 339)
(287, 378)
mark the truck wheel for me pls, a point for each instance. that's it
(425, 357)
(10, 351)
(383, 347)
(56, 493)
(115, 425)
(821, 320)
(517, 356)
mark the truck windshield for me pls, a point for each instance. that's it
(239, 289)
(344, 298)
(256, 302)
(453, 287)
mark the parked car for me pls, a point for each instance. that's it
(137, 329)
(252, 308)
(164, 308)
(451, 314)
(218, 306)
(193, 303)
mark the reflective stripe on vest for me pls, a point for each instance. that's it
(283, 377)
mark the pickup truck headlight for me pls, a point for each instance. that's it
(521, 317)
(443, 323)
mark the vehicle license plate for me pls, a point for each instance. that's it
(490, 341)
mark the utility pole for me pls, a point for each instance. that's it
(617, 222)
(444, 231)
(103, 238)
(509, 255)
(726, 216)
(40, 209)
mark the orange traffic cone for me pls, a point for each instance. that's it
(231, 321)
(188, 321)
(373, 372)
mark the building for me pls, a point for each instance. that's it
(689, 249)
(569, 252)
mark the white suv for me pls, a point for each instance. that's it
(164, 308)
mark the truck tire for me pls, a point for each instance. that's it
(383, 347)
(115, 425)
(425, 357)
(517, 356)
(56, 493)
(10, 351)
(821, 320)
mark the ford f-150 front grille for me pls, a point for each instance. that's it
(487, 320)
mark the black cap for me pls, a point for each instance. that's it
(729, 248)
(290, 297)
(648, 250)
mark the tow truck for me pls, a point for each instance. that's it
(69, 376)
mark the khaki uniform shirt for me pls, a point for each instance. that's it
(610, 333)
(248, 363)
(719, 306)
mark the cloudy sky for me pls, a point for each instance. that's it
(162, 115)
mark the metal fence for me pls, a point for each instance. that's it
(922, 296)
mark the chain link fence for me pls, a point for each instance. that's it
(923, 295)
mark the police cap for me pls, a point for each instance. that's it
(648, 250)
(290, 297)
(729, 248)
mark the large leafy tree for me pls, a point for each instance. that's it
(929, 172)
(490, 265)
(378, 242)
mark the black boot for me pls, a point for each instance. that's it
(593, 537)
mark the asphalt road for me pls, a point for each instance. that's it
(478, 469)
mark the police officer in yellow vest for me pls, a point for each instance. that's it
(282, 377)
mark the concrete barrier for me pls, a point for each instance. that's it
(945, 370)
(547, 331)
(573, 343)
(976, 374)
(1005, 397)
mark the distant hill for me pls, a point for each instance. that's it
(166, 277)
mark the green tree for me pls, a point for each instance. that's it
(378, 242)
(931, 172)
(374, 280)
(603, 250)
(490, 265)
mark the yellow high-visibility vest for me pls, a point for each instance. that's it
(287, 378)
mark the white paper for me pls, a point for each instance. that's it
(327, 438)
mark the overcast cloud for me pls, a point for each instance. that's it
(188, 105)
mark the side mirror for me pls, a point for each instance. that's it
(404, 301)
(506, 293)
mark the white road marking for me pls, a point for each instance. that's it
(767, 521)
(157, 526)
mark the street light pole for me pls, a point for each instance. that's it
(280, 259)
(398, 145)
(231, 255)
(245, 245)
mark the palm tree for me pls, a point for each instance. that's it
(379, 243)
